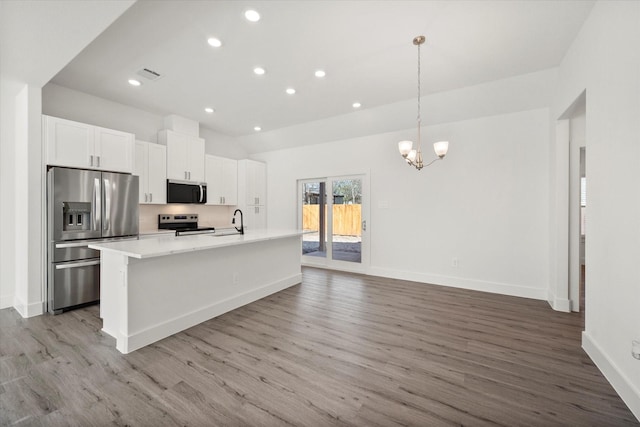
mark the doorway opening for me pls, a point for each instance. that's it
(583, 225)
(332, 213)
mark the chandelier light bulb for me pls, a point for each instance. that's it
(441, 148)
(405, 147)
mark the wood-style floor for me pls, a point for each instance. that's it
(339, 349)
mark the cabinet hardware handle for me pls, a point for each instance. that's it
(146, 197)
(90, 160)
(98, 161)
(364, 225)
(150, 197)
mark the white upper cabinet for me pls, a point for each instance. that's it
(114, 150)
(252, 182)
(252, 193)
(80, 145)
(222, 180)
(185, 156)
(151, 167)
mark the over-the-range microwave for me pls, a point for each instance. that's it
(186, 192)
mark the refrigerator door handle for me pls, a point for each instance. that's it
(96, 216)
(106, 226)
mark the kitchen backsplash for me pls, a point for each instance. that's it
(208, 216)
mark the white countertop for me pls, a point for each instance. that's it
(167, 245)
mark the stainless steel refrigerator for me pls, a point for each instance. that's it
(83, 207)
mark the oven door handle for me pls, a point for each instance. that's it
(71, 245)
(77, 264)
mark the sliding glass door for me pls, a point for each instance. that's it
(333, 212)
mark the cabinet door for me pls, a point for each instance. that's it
(176, 155)
(195, 159)
(250, 183)
(157, 174)
(140, 168)
(257, 217)
(68, 143)
(114, 150)
(260, 186)
(230, 181)
(213, 178)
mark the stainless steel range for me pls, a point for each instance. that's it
(183, 224)
(84, 207)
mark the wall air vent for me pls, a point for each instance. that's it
(149, 74)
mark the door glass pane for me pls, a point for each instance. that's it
(347, 220)
(314, 212)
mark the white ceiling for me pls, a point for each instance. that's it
(364, 46)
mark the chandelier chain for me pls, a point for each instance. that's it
(418, 118)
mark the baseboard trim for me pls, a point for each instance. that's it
(28, 310)
(560, 304)
(625, 389)
(463, 283)
(126, 344)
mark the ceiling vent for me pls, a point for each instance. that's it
(149, 74)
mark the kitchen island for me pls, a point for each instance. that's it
(153, 288)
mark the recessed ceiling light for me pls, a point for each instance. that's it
(257, 128)
(320, 73)
(252, 15)
(134, 82)
(209, 110)
(290, 91)
(259, 71)
(214, 42)
(356, 105)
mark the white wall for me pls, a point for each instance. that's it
(59, 101)
(28, 205)
(518, 93)
(486, 203)
(8, 90)
(36, 40)
(605, 60)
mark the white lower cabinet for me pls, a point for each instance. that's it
(150, 166)
(255, 217)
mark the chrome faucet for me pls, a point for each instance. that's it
(233, 221)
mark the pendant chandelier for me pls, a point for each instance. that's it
(414, 156)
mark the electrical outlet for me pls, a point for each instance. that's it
(236, 278)
(635, 349)
(454, 262)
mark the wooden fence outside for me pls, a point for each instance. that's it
(347, 219)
